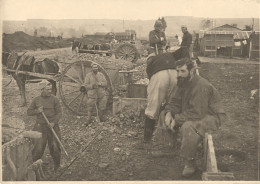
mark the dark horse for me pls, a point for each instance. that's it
(28, 63)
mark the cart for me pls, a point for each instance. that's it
(72, 90)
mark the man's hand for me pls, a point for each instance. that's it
(162, 38)
(168, 119)
(94, 86)
(40, 109)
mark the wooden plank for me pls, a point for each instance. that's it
(221, 176)
(205, 148)
(211, 158)
(39, 75)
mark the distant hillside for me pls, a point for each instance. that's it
(20, 41)
(75, 28)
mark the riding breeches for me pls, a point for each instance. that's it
(161, 85)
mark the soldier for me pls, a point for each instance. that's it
(184, 50)
(97, 96)
(157, 38)
(50, 105)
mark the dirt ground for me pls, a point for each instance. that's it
(111, 154)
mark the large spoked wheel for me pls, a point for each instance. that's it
(72, 88)
(127, 52)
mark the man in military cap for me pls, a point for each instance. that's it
(157, 38)
(184, 50)
(97, 96)
(50, 105)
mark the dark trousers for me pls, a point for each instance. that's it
(40, 144)
(191, 132)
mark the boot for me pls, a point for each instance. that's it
(189, 168)
(149, 127)
(89, 118)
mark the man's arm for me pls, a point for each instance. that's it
(58, 111)
(189, 40)
(164, 39)
(153, 39)
(174, 104)
(197, 106)
(216, 106)
(88, 85)
(33, 109)
(102, 80)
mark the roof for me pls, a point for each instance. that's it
(237, 35)
(226, 27)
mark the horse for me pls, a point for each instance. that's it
(28, 63)
(76, 46)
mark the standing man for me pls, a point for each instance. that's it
(50, 105)
(97, 97)
(184, 50)
(157, 38)
(194, 109)
(162, 75)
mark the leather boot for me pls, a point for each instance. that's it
(189, 168)
(149, 127)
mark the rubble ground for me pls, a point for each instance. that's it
(113, 156)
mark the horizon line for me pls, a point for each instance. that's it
(129, 19)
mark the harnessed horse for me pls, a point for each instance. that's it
(30, 64)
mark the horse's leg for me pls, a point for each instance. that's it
(21, 86)
(23, 93)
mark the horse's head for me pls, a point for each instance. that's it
(5, 56)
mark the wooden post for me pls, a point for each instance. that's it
(210, 168)
(250, 50)
(231, 52)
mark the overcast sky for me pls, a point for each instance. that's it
(126, 9)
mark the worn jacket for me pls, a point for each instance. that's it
(186, 40)
(51, 108)
(91, 81)
(155, 38)
(195, 101)
(160, 62)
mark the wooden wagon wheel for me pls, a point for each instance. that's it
(127, 52)
(73, 93)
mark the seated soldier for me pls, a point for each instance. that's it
(195, 108)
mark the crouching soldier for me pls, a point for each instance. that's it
(194, 109)
(50, 105)
(95, 83)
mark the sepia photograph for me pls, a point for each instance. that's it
(130, 91)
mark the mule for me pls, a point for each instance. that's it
(29, 64)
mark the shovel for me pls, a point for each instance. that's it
(54, 133)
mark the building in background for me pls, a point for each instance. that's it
(229, 41)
